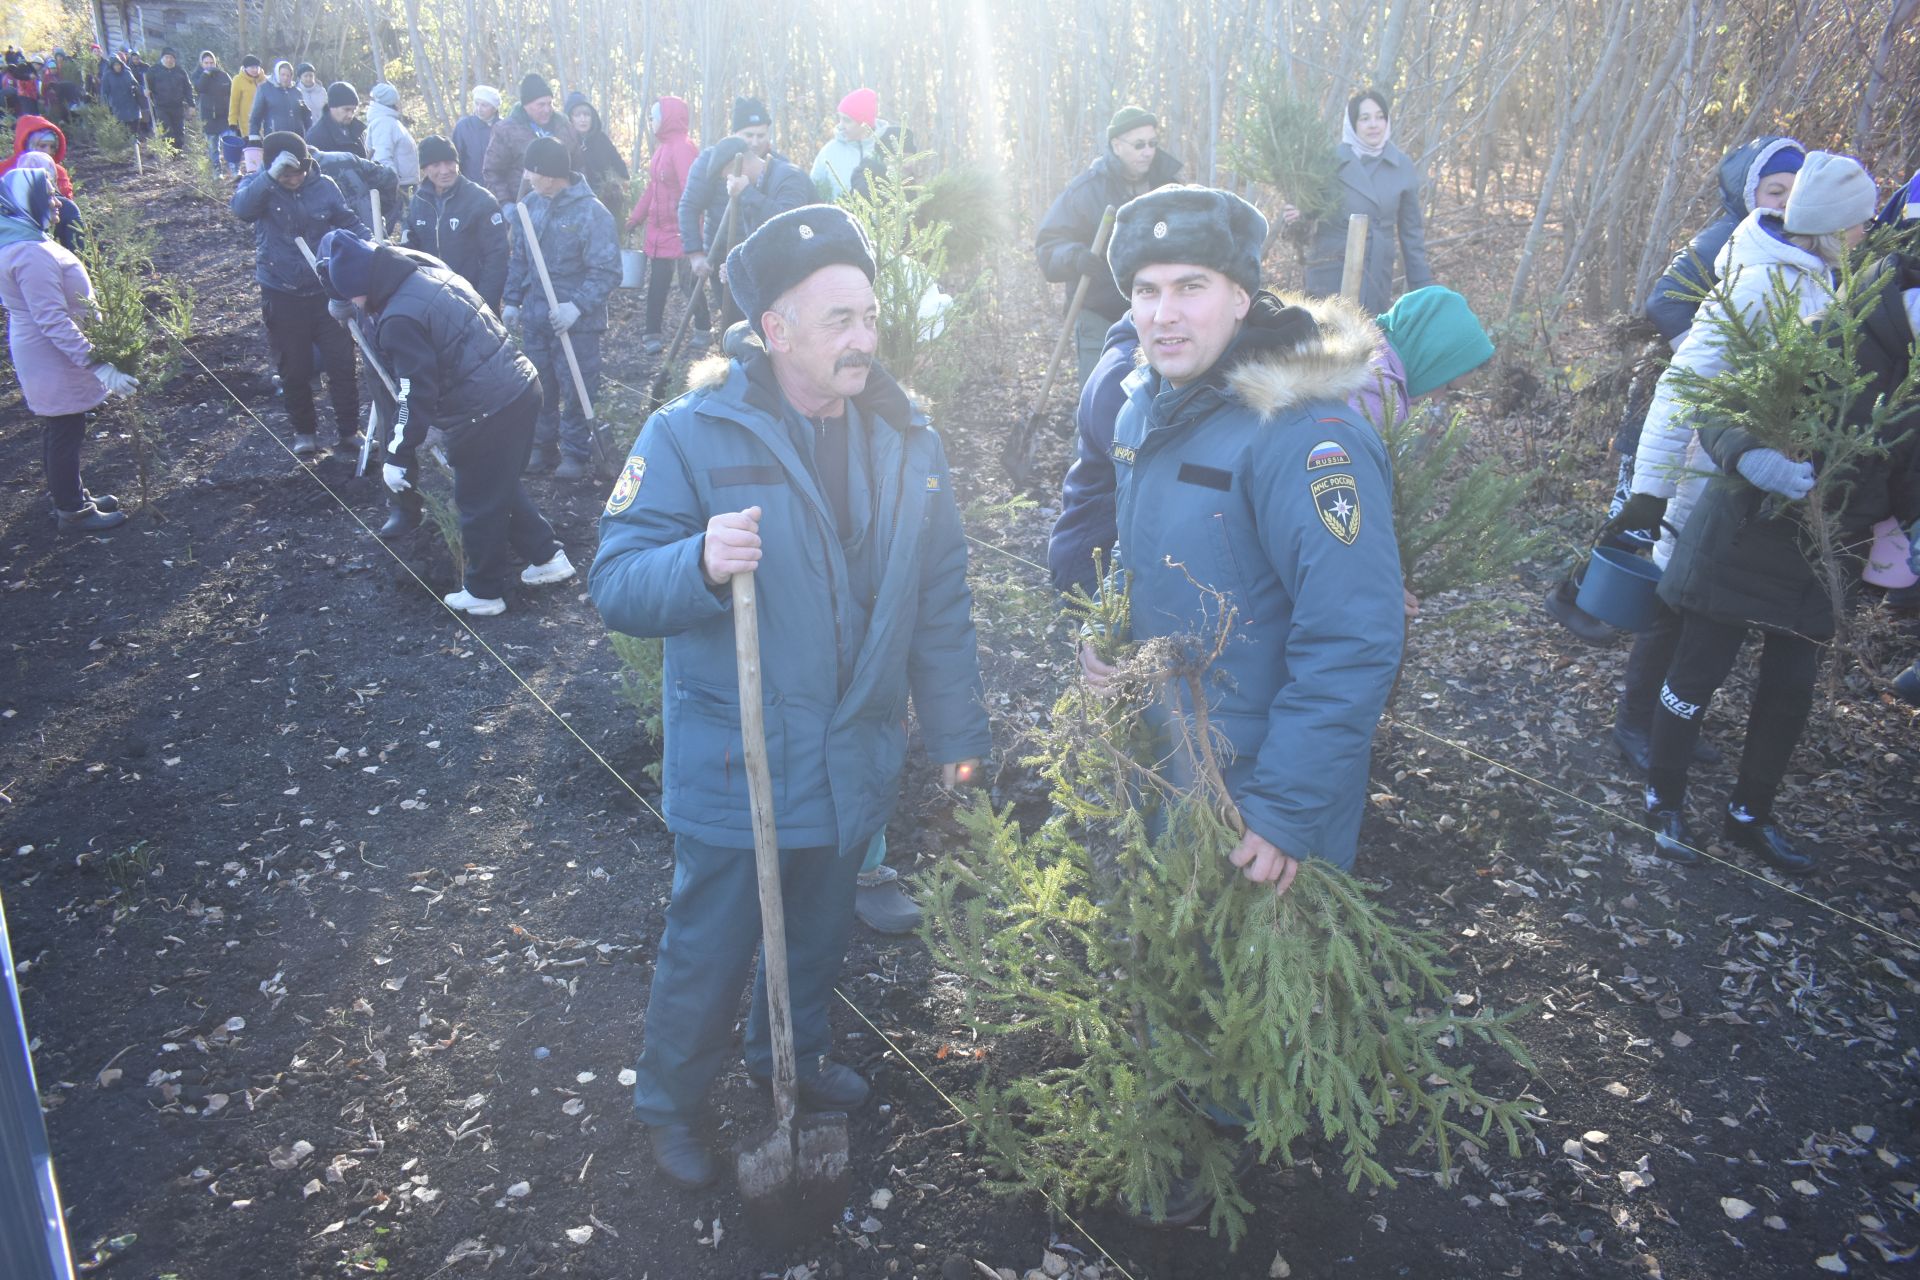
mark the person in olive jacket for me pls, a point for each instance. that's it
(459, 222)
(799, 460)
(1380, 180)
(456, 370)
(1132, 165)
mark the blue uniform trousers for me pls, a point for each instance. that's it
(712, 937)
(562, 420)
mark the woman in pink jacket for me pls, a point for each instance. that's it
(658, 209)
(48, 296)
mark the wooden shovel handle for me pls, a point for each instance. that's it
(553, 304)
(766, 847)
(1100, 240)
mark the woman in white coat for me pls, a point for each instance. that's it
(1798, 248)
(49, 298)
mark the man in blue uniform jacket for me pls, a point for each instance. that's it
(1244, 482)
(796, 458)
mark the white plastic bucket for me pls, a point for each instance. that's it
(633, 269)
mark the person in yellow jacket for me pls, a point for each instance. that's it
(240, 97)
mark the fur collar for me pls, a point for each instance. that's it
(1332, 365)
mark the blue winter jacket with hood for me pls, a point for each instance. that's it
(1677, 294)
(1258, 491)
(280, 216)
(852, 621)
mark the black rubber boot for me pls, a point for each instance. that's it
(682, 1156)
(403, 514)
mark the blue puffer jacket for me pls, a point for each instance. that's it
(581, 251)
(279, 215)
(1260, 484)
(1677, 294)
(783, 185)
(848, 628)
(1086, 497)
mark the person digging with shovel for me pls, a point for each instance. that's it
(802, 462)
(454, 369)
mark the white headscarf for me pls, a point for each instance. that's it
(1351, 137)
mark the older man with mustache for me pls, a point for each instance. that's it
(798, 459)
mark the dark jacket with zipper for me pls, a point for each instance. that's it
(329, 134)
(605, 169)
(169, 87)
(1746, 555)
(214, 87)
(1074, 220)
(277, 107)
(465, 229)
(853, 620)
(783, 185)
(356, 176)
(280, 216)
(447, 352)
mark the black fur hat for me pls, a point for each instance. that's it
(1198, 226)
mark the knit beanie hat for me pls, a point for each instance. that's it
(171, 52)
(342, 94)
(862, 105)
(249, 61)
(533, 87)
(1197, 226)
(789, 247)
(748, 112)
(487, 95)
(1437, 337)
(300, 70)
(1831, 194)
(385, 94)
(1129, 118)
(346, 263)
(288, 142)
(434, 149)
(548, 158)
(1786, 160)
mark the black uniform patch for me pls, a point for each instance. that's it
(1207, 477)
(720, 477)
(1337, 499)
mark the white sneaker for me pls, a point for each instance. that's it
(558, 569)
(466, 602)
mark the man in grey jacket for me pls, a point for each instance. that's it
(800, 461)
(767, 184)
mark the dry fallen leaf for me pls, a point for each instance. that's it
(579, 1235)
(628, 1078)
(1735, 1208)
(1278, 1268)
(585, 1077)
(1831, 1262)
(1617, 1089)
(881, 1198)
(1805, 1188)
(517, 1190)
(573, 1106)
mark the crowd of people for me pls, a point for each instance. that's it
(1228, 456)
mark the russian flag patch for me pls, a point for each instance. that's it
(1327, 453)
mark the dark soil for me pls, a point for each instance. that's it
(323, 919)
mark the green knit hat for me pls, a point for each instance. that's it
(1437, 337)
(1129, 118)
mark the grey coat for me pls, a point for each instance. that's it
(1387, 190)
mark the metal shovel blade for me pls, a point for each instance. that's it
(794, 1183)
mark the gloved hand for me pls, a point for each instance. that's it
(340, 309)
(564, 317)
(116, 382)
(396, 477)
(1913, 548)
(1642, 511)
(1775, 472)
(510, 315)
(1088, 263)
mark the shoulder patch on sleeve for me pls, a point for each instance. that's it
(1328, 453)
(498, 217)
(1337, 499)
(627, 487)
(934, 484)
(1122, 453)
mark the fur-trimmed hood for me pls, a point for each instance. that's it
(1333, 363)
(1294, 350)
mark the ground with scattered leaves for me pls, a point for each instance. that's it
(335, 942)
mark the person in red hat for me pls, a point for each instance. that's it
(854, 139)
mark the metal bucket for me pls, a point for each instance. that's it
(633, 269)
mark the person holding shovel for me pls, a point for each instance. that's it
(743, 171)
(456, 370)
(1132, 165)
(582, 255)
(801, 461)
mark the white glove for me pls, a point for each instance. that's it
(284, 163)
(116, 382)
(340, 309)
(396, 478)
(1775, 472)
(510, 315)
(564, 317)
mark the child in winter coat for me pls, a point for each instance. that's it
(48, 297)
(657, 210)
